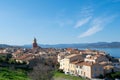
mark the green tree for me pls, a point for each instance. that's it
(11, 61)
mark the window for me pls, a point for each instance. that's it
(76, 66)
(80, 66)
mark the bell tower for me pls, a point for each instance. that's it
(35, 43)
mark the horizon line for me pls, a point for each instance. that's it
(57, 43)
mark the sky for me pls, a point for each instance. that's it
(59, 21)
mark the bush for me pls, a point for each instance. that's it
(8, 74)
(60, 70)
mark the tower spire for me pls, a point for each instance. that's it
(35, 43)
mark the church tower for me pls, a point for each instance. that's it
(35, 43)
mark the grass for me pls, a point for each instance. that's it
(7, 74)
(62, 76)
(19, 74)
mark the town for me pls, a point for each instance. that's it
(85, 63)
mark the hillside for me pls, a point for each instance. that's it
(81, 45)
(78, 45)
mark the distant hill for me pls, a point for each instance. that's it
(4, 45)
(79, 45)
(8, 46)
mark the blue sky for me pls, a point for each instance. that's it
(59, 21)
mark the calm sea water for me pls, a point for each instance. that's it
(115, 52)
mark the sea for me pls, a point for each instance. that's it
(115, 52)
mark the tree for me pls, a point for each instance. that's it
(11, 61)
(41, 72)
(9, 56)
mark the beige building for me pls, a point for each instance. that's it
(75, 64)
(89, 69)
(65, 64)
(87, 63)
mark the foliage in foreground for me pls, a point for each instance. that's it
(113, 75)
(62, 76)
(8, 74)
(42, 71)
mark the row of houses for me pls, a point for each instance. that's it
(89, 64)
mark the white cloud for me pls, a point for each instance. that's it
(82, 22)
(91, 31)
(97, 24)
(85, 14)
